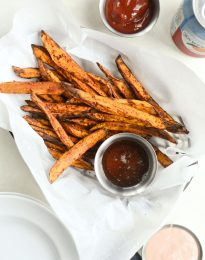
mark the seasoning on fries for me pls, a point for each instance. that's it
(73, 110)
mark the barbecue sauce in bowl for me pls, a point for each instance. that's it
(125, 163)
(129, 16)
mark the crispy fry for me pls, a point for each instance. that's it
(42, 70)
(27, 73)
(41, 53)
(48, 74)
(64, 61)
(63, 115)
(74, 129)
(75, 153)
(48, 132)
(78, 164)
(113, 118)
(163, 159)
(57, 99)
(56, 154)
(43, 121)
(86, 122)
(118, 83)
(112, 107)
(114, 91)
(134, 129)
(81, 85)
(31, 87)
(35, 122)
(138, 104)
(51, 138)
(58, 147)
(74, 101)
(32, 109)
(101, 82)
(53, 76)
(31, 103)
(142, 94)
(62, 108)
(54, 122)
(47, 98)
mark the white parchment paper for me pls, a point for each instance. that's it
(103, 227)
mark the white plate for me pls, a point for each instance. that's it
(29, 230)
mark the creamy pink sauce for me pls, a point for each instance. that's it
(172, 243)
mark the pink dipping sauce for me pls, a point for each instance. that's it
(172, 243)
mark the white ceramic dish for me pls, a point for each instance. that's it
(29, 230)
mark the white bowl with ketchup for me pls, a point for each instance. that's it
(125, 164)
(129, 18)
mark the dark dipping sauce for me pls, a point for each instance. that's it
(128, 16)
(125, 162)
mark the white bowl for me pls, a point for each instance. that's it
(130, 35)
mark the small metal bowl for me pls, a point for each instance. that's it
(200, 251)
(147, 178)
(153, 21)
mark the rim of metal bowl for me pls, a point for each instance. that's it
(125, 191)
(130, 35)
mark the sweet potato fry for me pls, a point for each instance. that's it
(62, 108)
(31, 103)
(43, 70)
(163, 159)
(58, 147)
(41, 53)
(56, 154)
(86, 122)
(75, 153)
(112, 107)
(49, 75)
(47, 98)
(54, 122)
(64, 61)
(84, 165)
(53, 75)
(46, 73)
(57, 99)
(138, 104)
(134, 129)
(35, 122)
(54, 140)
(48, 132)
(27, 73)
(118, 83)
(102, 117)
(114, 91)
(62, 115)
(81, 85)
(32, 109)
(43, 121)
(100, 81)
(49, 138)
(74, 101)
(31, 87)
(142, 94)
(74, 129)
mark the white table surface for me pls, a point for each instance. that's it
(14, 174)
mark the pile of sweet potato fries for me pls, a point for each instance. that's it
(74, 110)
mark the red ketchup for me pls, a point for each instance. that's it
(128, 16)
